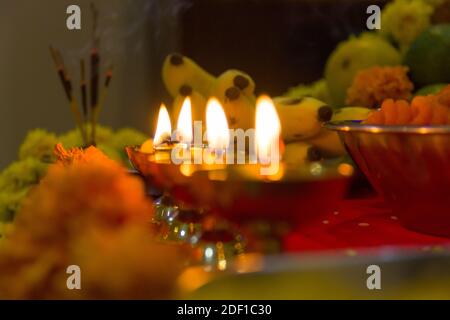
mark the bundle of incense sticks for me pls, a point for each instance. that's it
(67, 85)
(97, 100)
(88, 113)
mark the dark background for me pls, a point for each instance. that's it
(279, 42)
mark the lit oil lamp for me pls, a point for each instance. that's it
(264, 189)
(161, 144)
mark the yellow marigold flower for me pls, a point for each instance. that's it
(38, 144)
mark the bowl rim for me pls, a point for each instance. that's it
(357, 126)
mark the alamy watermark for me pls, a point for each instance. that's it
(73, 21)
(73, 281)
(241, 148)
(373, 282)
(374, 20)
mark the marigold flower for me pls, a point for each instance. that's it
(372, 86)
(90, 212)
(38, 144)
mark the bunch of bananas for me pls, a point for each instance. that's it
(302, 125)
(234, 88)
(301, 119)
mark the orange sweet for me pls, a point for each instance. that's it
(423, 110)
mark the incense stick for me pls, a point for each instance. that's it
(61, 73)
(104, 91)
(94, 72)
(83, 89)
(67, 85)
(90, 109)
(95, 66)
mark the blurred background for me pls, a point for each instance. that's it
(281, 43)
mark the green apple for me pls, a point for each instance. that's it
(355, 54)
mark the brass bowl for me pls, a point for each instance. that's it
(238, 193)
(409, 166)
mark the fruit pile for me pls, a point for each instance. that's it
(410, 50)
(414, 34)
(234, 88)
(301, 118)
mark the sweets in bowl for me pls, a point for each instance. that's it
(404, 150)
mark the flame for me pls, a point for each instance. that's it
(184, 124)
(267, 128)
(163, 126)
(217, 131)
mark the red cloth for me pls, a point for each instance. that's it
(357, 224)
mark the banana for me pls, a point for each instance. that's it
(233, 78)
(328, 141)
(351, 113)
(198, 105)
(301, 118)
(239, 108)
(179, 70)
(298, 153)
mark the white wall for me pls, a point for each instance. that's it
(30, 93)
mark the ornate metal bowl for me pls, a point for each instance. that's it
(409, 166)
(238, 193)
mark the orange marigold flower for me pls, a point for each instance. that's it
(76, 155)
(370, 87)
(91, 213)
(69, 198)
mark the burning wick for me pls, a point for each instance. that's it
(267, 133)
(161, 140)
(163, 127)
(184, 124)
(217, 133)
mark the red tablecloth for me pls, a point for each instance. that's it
(358, 224)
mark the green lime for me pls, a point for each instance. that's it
(430, 89)
(355, 54)
(428, 58)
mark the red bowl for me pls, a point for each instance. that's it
(409, 166)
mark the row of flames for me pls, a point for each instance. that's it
(267, 125)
